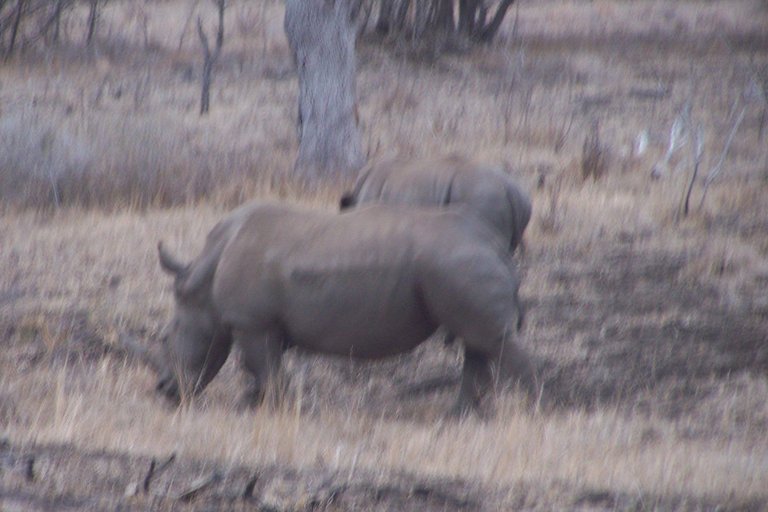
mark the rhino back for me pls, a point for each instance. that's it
(487, 191)
(398, 181)
(484, 191)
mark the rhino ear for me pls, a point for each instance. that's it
(347, 201)
(168, 263)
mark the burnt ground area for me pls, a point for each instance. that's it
(643, 331)
(628, 332)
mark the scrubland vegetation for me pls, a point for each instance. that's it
(651, 326)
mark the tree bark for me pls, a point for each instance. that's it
(489, 31)
(321, 35)
(467, 16)
(205, 87)
(57, 20)
(93, 17)
(384, 21)
(444, 16)
(210, 57)
(401, 14)
(15, 27)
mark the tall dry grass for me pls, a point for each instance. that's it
(84, 277)
(642, 457)
(74, 134)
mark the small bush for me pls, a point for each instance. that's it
(109, 161)
(593, 155)
(36, 160)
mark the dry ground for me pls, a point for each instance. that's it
(652, 330)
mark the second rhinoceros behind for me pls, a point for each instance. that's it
(369, 283)
(452, 180)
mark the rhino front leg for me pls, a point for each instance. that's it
(200, 366)
(262, 356)
(215, 358)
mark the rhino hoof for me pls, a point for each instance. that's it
(251, 399)
(169, 388)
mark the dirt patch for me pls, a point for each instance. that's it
(658, 376)
(642, 330)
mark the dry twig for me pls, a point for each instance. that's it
(717, 169)
(156, 470)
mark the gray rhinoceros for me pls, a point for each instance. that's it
(485, 190)
(368, 283)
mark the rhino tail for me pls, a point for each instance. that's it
(520, 210)
(520, 314)
(347, 201)
(512, 266)
(446, 199)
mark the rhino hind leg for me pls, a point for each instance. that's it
(475, 382)
(347, 201)
(261, 357)
(514, 368)
(168, 386)
(484, 372)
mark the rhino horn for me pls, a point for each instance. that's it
(169, 263)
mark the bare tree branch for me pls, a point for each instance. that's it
(713, 174)
(210, 57)
(15, 27)
(698, 152)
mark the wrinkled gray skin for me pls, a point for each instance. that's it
(448, 181)
(452, 180)
(369, 283)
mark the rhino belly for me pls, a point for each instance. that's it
(361, 313)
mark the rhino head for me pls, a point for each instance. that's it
(191, 339)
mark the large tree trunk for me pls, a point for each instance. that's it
(384, 22)
(322, 38)
(210, 57)
(492, 27)
(57, 20)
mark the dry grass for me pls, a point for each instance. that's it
(117, 129)
(65, 270)
(601, 450)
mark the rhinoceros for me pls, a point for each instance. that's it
(485, 190)
(367, 283)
